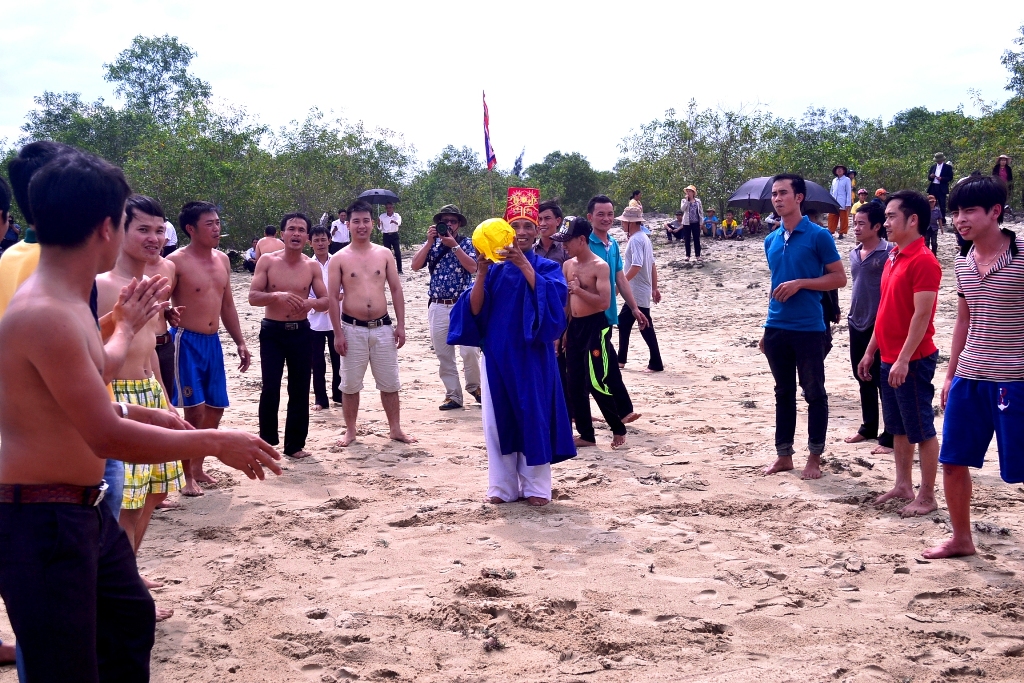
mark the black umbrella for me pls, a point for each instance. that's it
(380, 197)
(756, 195)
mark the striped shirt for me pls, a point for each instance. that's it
(995, 338)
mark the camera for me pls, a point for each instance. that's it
(443, 229)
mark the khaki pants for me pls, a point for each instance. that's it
(438, 319)
(839, 220)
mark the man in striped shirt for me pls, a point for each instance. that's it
(984, 389)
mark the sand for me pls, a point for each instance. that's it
(673, 560)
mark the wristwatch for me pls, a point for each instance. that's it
(456, 248)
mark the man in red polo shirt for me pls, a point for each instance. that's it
(904, 329)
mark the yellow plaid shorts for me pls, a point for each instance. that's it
(141, 480)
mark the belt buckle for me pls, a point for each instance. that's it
(103, 493)
(373, 324)
(291, 326)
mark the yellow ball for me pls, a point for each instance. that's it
(491, 235)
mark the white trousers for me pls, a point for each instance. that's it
(508, 476)
(438, 321)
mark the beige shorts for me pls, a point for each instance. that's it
(374, 347)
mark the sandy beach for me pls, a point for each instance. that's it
(672, 560)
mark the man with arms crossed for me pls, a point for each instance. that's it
(363, 332)
(804, 263)
(903, 334)
(984, 388)
(203, 291)
(321, 332)
(282, 283)
(68, 575)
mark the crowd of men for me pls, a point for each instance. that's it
(116, 339)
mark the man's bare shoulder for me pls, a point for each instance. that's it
(38, 317)
(163, 266)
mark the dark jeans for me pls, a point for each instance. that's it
(320, 368)
(678, 236)
(791, 354)
(868, 390)
(591, 376)
(626, 321)
(249, 265)
(79, 610)
(278, 346)
(940, 198)
(692, 232)
(336, 247)
(931, 240)
(391, 241)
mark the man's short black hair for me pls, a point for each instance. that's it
(21, 168)
(301, 216)
(599, 199)
(318, 230)
(796, 181)
(270, 230)
(191, 212)
(73, 195)
(5, 198)
(876, 216)
(552, 206)
(982, 191)
(914, 204)
(359, 205)
(140, 203)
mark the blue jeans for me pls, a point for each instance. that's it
(113, 474)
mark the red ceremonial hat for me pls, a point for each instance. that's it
(522, 203)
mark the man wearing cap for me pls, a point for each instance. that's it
(881, 197)
(389, 223)
(451, 260)
(515, 311)
(940, 175)
(841, 192)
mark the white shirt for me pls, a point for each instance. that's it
(319, 322)
(390, 223)
(339, 232)
(250, 254)
(170, 234)
(938, 173)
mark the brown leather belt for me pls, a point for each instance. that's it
(444, 302)
(87, 496)
(379, 322)
(164, 338)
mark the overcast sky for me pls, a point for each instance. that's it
(569, 76)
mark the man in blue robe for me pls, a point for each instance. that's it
(514, 312)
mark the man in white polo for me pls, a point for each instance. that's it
(340, 236)
(389, 223)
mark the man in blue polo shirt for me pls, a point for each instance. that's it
(601, 214)
(804, 262)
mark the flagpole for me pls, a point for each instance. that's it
(489, 156)
(490, 184)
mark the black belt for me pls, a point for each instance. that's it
(379, 322)
(164, 338)
(287, 326)
(443, 302)
(88, 496)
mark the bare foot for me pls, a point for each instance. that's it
(647, 371)
(954, 547)
(7, 654)
(192, 490)
(583, 443)
(298, 455)
(167, 504)
(403, 437)
(150, 584)
(881, 450)
(781, 464)
(349, 437)
(632, 417)
(856, 438)
(921, 506)
(812, 470)
(163, 614)
(494, 500)
(317, 408)
(901, 492)
(618, 440)
(203, 478)
(537, 501)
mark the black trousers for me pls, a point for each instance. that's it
(868, 390)
(279, 345)
(320, 368)
(626, 321)
(589, 375)
(790, 355)
(165, 354)
(391, 241)
(940, 197)
(336, 247)
(168, 250)
(74, 597)
(249, 265)
(692, 232)
(931, 240)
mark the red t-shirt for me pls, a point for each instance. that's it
(907, 272)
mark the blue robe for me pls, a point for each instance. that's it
(516, 329)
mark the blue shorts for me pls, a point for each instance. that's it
(975, 409)
(198, 370)
(907, 410)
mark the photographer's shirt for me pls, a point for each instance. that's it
(448, 279)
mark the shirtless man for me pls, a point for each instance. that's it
(202, 290)
(138, 380)
(269, 243)
(363, 332)
(589, 280)
(66, 561)
(281, 284)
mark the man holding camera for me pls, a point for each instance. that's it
(451, 260)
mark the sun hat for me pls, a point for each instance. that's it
(939, 156)
(1004, 156)
(631, 214)
(838, 166)
(450, 210)
(690, 187)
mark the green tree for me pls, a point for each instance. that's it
(152, 75)
(569, 179)
(1014, 62)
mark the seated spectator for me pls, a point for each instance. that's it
(710, 223)
(752, 222)
(250, 256)
(730, 229)
(674, 229)
(771, 221)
